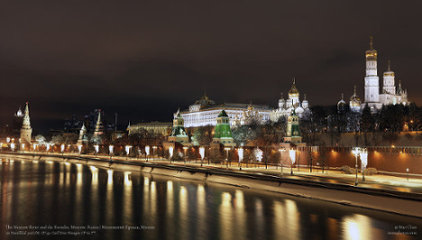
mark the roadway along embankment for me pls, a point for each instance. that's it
(377, 199)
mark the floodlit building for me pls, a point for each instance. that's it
(222, 132)
(389, 94)
(26, 130)
(285, 107)
(205, 112)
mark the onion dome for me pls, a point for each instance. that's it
(305, 103)
(293, 89)
(355, 102)
(341, 105)
(371, 53)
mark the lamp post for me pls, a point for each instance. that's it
(356, 152)
(258, 154)
(170, 152)
(154, 148)
(281, 150)
(147, 149)
(185, 149)
(202, 153)
(127, 150)
(227, 156)
(292, 154)
(111, 150)
(364, 162)
(240, 153)
(407, 173)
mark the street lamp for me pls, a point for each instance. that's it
(356, 152)
(154, 148)
(364, 162)
(111, 150)
(147, 149)
(240, 153)
(127, 149)
(170, 152)
(292, 155)
(202, 153)
(185, 149)
(227, 156)
(281, 150)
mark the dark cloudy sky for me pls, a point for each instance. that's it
(144, 59)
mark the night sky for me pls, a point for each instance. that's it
(144, 59)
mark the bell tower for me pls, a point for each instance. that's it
(371, 78)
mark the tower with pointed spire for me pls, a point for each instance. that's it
(99, 129)
(26, 130)
(371, 78)
(389, 95)
(82, 135)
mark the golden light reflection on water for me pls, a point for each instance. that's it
(279, 220)
(169, 210)
(183, 207)
(240, 214)
(109, 195)
(201, 211)
(356, 227)
(226, 214)
(292, 217)
(146, 202)
(94, 172)
(153, 199)
(109, 177)
(127, 198)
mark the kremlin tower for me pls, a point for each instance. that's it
(26, 130)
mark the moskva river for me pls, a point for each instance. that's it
(41, 200)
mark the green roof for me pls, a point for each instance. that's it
(223, 114)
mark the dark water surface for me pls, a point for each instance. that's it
(44, 198)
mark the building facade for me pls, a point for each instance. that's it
(205, 112)
(293, 102)
(389, 94)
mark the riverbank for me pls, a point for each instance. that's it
(376, 199)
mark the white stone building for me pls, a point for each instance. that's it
(285, 107)
(389, 94)
(204, 112)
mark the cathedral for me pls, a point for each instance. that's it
(293, 102)
(389, 93)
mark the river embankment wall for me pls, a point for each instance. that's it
(381, 200)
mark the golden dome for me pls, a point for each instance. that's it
(293, 89)
(354, 99)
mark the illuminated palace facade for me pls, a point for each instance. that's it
(204, 112)
(389, 94)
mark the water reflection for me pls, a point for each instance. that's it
(225, 213)
(75, 194)
(356, 227)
